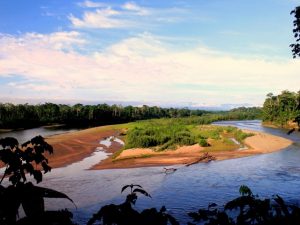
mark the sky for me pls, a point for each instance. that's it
(181, 53)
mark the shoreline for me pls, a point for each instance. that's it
(75, 146)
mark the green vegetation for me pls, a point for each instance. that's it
(28, 116)
(162, 134)
(203, 142)
(282, 109)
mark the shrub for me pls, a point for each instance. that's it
(203, 143)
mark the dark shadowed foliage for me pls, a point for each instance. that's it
(296, 46)
(21, 161)
(125, 214)
(248, 209)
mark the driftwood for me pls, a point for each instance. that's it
(169, 170)
(204, 158)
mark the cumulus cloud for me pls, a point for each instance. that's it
(140, 68)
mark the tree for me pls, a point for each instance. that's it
(296, 46)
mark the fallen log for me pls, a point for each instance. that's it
(204, 158)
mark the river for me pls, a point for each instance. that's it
(189, 188)
(27, 134)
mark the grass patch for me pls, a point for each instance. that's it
(162, 134)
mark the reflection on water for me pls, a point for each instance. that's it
(107, 142)
(194, 186)
(26, 135)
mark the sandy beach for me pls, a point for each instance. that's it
(75, 146)
(72, 147)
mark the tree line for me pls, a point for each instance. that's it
(282, 109)
(79, 115)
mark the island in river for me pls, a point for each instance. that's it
(75, 146)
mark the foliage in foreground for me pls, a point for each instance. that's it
(125, 214)
(247, 209)
(29, 159)
(21, 161)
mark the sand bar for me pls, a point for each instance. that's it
(260, 143)
(75, 146)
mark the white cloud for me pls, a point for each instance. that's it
(101, 18)
(139, 69)
(57, 40)
(127, 15)
(131, 6)
(91, 4)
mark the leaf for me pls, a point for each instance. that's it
(37, 140)
(38, 158)
(48, 148)
(142, 192)
(46, 167)
(245, 190)
(50, 193)
(28, 167)
(38, 149)
(25, 144)
(131, 186)
(6, 155)
(124, 188)
(38, 176)
(9, 142)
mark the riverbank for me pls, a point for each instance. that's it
(75, 146)
(288, 125)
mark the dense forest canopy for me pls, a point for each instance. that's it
(25, 115)
(282, 109)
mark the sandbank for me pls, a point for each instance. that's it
(260, 143)
(75, 146)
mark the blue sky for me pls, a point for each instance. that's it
(195, 53)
